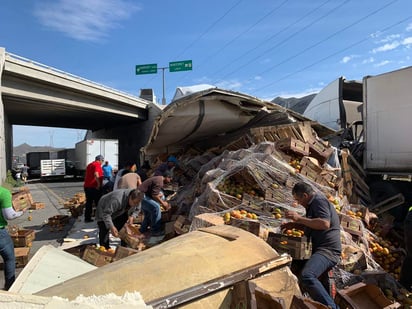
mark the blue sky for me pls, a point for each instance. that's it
(263, 48)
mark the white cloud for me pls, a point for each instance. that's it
(386, 47)
(346, 59)
(369, 60)
(258, 78)
(407, 41)
(85, 20)
(390, 38)
(409, 27)
(382, 63)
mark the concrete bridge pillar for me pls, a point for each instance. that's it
(3, 158)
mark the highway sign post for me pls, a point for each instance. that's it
(177, 66)
(146, 68)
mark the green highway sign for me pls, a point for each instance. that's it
(178, 66)
(146, 68)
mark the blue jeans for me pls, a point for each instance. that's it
(314, 268)
(7, 253)
(152, 215)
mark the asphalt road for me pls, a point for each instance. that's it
(53, 194)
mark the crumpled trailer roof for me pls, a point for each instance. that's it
(212, 117)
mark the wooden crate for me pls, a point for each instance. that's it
(309, 173)
(76, 211)
(58, 222)
(78, 250)
(351, 225)
(122, 252)
(97, 257)
(37, 205)
(312, 163)
(20, 201)
(23, 238)
(361, 295)
(22, 256)
(298, 248)
(319, 150)
(293, 145)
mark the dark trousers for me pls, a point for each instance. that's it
(7, 253)
(118, 222)
(406, 270)
(92, 195)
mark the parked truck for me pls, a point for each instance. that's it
(69, 155)
(373, 120)
(52, 168)
(33, 162)
(88, 149)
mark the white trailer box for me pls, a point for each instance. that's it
(387, 111)
(52, 168)
(87, 150)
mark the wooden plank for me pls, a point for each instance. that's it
(220, 283)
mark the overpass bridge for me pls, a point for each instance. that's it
(38, 95)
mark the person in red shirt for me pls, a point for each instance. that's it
(93, 180)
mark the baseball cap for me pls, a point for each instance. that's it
(99, 158)
(172, 159)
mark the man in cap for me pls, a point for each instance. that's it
(93, 181)
(169, 165)
(153, 199)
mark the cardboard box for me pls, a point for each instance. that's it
(363, 295)
(298, 248)
(23, 238)
(351, 225)
(97, 257)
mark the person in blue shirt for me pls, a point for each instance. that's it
(107, 171)
(169, 165)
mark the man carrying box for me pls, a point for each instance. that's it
(321, 224)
